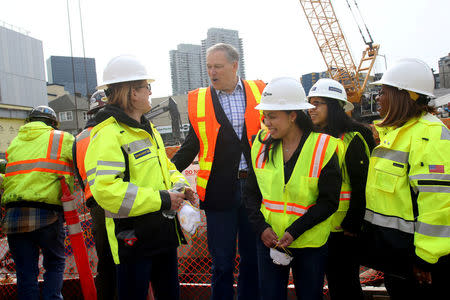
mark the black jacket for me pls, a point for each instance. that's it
(223, 180)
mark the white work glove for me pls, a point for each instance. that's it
(189, 218)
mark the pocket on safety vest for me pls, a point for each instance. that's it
(264, 178)
(387, 173)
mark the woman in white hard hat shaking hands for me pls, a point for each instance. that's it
(407, 218)
(291, 192)
(355, 143)
(132, 179)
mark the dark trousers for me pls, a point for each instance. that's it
(342, 269)
(105, 281)
(223, 229)
(161, 270)
(25, 247)
(308, 269)
(406, 287)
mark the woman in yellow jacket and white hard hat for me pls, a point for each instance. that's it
(407, 218)
(132, 179)
(291, 192)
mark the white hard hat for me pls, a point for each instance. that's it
(409, 74)
(124, 68)
(284, 93)
(332, 89)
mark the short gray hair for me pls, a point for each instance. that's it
(230, 52)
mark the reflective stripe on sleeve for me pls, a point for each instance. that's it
(389, 221)
(90, 172)
(128, 200)
(108, 172)
(394, 155)
(117, 164)
(433, 230)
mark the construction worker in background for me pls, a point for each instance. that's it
(132, 179)
(407, 218)
(355, 144)
(32, 192)
(223, 121)
(106, 269)
(292, 191)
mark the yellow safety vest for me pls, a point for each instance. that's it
(284, 203)
(36, 158)
(346, 189)
(149, 172)
(414, 155)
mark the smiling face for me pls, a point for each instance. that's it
(319, 114)
(382, 102)
(140, 96)
(221, 71)
(279, 123)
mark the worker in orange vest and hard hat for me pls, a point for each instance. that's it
(32, 192)
(105, 280)
(223, 120)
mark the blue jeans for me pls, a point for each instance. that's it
(224, 228)
(308, 269)
(25, 247)
(161, 270)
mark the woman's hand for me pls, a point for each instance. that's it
(176, 200)
(190, 195)
(286, 240)
(269, 237)
(421, 275)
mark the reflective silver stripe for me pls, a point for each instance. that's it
(260, 158)
(109, 214)
(84, 134)
(128, 200)
(389, 221)
(91, 182)
(433, 230)
(74, 228)
(394, 155)
(273, 206)
(40, 165)
(445, 135)
(171, 172)
(295, 209)
(57, 135)
(118, 164)
(90, 172)
(433, 189)
(136, 146)
(345, 196)
(108, 172)
(69, 205)
(318, 154)
(430, 176)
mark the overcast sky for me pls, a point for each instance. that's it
(276, 36)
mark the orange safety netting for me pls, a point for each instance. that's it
(194, 259)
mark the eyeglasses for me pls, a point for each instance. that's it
(380, 93)
(317, 103)
(148, 86)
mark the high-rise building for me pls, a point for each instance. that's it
(309, 79)
(59, 71)
(444, 71)
(220, 35)
(185, 68)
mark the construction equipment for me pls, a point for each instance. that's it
(172, 107)
(335, 51)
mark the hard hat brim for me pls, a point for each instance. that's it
(104, 85)
(272, 106)
(381, 82)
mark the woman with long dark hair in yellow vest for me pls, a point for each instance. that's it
(355, 143)
(407, 218)
(291, 193)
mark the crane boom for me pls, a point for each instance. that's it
(334, 48)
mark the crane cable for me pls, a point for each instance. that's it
(359, 27)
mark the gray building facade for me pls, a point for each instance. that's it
(72, 117)
(22, 71)
(185, 67)
(444, 72)
(220, 35)
(59, 71)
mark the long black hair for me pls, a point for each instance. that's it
(338, 123)
(303, 121)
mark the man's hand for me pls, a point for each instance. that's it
(176, 200)
(190, 195)
(269, 237)
(421, 275)
(286, 240)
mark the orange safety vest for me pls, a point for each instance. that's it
(81, 143)
(204, 122)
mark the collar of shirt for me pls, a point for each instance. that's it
(238, 87)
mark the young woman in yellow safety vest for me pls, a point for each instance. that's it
(132, 179)
(407, 218)
(355, 143)
(291, 193)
